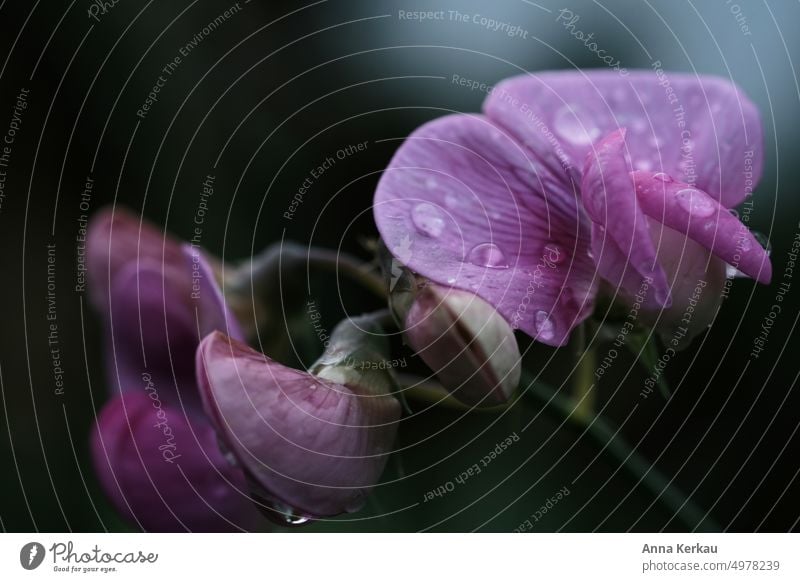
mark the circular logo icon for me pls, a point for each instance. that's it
(31, 555)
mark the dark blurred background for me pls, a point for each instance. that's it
(262, 100)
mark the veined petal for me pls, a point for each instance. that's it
(700, 129)
(621, 240)
(465, 205)
(693, 212)
(116, 238)
(313, 445)
(153, 331)
(165, 471)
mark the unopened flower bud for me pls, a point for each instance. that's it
(469, 345)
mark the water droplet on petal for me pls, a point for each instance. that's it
(568, 123)
(645, 165)
(451, 280)
(284, 515)
(695, 202)
(488, 255)
(662, 177)
(430, 183)
(451, 200)
(545, 329)
(732, 272)
(428, 219)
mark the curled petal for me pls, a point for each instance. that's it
(693, 212)
(309, 444)
(164, 471)
(465, 205)
(700, 129)
(621, 240)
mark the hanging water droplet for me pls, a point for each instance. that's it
(488, 255)
(568, 123)
(662, 177)
(732, 272)
(695, 202)
(284, 515)
(545, 329)
(274, 510)
(428, 219)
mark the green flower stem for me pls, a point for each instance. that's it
(584, 392)
(429, 391)
(350, 266)
(605, 434)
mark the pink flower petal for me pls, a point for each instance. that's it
(464, 205)
(165, 472)
(700, 129)
(315, 446)
(691, 211)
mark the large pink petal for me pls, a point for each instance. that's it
(699, 216)
(315, 446)
(700, 129)
(465, 205)
(166, 472)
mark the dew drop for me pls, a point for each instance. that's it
(732, 272)
(695, 203)
(645, 165)
(545, 330)
(568, 124)
(428, 219)
(488, 255)
(284, 515)
(662, 177)
(451, 280)
(431, 184)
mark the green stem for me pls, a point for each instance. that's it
(605, 434)
(348, 265)
(584, 391)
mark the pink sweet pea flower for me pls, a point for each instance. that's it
(570, 179)
(153, 448)
(312, 445)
